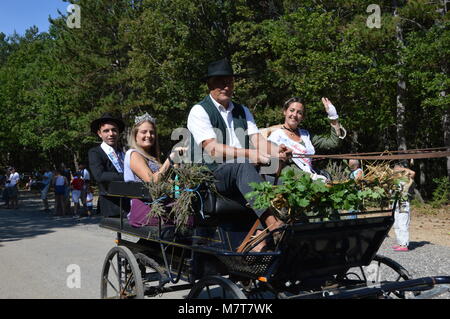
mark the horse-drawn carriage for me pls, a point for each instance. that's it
(334, 258)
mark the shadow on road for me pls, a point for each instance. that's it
(416, 244)
(30, 221)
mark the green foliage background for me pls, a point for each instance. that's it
(132, 56)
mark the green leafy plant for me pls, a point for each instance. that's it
(441, 194)
(299, 197)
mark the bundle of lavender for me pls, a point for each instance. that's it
(175, 193)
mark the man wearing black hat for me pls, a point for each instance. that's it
(106, 161)
(224, 130)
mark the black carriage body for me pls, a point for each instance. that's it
(308, 250)
(330, 247)
(310, 255)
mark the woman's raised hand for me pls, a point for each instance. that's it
(330, 109)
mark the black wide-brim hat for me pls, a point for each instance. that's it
(105, 118)
(220, 68)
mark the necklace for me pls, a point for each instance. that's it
(293, 134)
(291, 131)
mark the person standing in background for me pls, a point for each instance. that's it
(77, 186)
(68, 175)
(11, 187)
(86, 177)
(60, 185)
(356, 170)
(402, 214)
(90, 201)
(47, 177)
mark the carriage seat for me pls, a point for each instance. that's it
(216, 204)
(167, 232)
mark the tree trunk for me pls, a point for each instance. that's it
(422, 176)
(446, 130)
(354, 142)
(401, 110)
(443, 94)
(446, 120)
(401, 86)
(418, 196)
(76, 157)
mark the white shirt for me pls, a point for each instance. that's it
(13, 179)
(201, 128)
(86, 176)
(89, 199)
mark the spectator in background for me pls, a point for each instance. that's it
(90, 201)
(77, 187)
(35, 182)
(11, 188)
(68, 175)
(30, 183)
(356, 170)
(356, 173)
(60, 184)
(86, 177)
(402, 214)
(47, 177)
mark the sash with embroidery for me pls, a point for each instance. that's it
(116, 159)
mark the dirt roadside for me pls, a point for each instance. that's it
(429, 225)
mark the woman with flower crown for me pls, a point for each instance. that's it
(142, 162)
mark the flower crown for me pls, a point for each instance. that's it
(145, 117)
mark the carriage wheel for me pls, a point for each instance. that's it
(121, 276)
(382, 269)
(216, 287)
(154, 277)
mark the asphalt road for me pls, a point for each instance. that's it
(43, 256)
(47, 257)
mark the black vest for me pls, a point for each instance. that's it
(217, 122)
